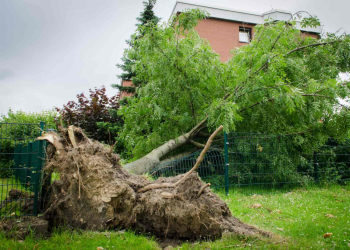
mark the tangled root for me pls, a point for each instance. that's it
(96, 193)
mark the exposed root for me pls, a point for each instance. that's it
(101, 195)
(71, 136)
(202, 189)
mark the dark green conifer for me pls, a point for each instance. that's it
(146, 16)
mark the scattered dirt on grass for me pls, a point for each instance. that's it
(20, 228)
(96, 193)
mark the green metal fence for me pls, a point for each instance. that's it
(257, 163)
(21, 162)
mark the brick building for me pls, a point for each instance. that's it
(227, 29)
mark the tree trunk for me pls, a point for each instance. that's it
(152, 159)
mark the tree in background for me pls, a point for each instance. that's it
(96, 114)
(281, 83)
(147, 17)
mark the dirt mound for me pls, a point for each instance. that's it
(96, 193)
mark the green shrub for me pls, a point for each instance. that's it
(19, 128)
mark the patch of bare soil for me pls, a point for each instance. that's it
(20, 228)
(96, 193)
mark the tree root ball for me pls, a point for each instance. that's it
(96, 193)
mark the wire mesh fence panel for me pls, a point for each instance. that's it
(210, 170)
(257, 163)
(261, 163)
(21, 161)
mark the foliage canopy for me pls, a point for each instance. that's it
(283, 82)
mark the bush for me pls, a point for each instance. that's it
(96, 114)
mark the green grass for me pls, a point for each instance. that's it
(297, 220)
(6, 184)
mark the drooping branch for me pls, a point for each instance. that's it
(264, 88)
(342, 84)
(198, 162)
(307, 46)
(272, 99)
(197, 144)
(177, 156)
(184, 75)
(270, 61)
(255, 104)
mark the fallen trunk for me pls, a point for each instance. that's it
(96, 193)
(152, 159)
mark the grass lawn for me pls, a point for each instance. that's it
(6, 184)
(297, 220)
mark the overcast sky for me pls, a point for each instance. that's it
(52, 50)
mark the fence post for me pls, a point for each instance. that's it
(40, 160)
(226, 164)
(316, 168)
(16, 156)
(18, 164)
(28, 164)
(46, 178)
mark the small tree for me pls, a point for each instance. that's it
(96, 114)
(147, 17)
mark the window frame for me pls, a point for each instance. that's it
(247, 30)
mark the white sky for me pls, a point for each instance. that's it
(52, 50)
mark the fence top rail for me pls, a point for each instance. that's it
(10, 123)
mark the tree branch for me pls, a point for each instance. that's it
(197, 144)
(257, 103)
(314, 95)
(198, 162)
(264, 65)
(343, 84)
(272, 87)
(307, 46)
(184, 74)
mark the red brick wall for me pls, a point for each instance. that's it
(313, 35)
(222, 35)
(126, 84)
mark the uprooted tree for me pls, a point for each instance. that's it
(282, 82)
(96, 193)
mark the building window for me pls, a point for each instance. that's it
(245, 34)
